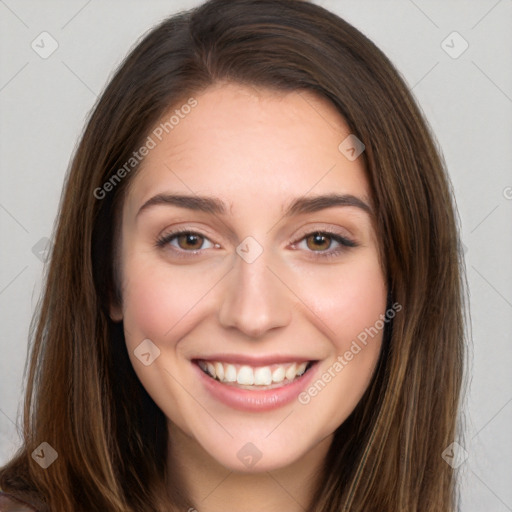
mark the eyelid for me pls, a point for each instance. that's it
(345, 243)
(165, 238)
(327, 230)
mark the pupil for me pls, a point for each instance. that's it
(320, 240)
(191, 240)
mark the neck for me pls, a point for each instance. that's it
(211, 487)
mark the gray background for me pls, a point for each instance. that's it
(467, 100)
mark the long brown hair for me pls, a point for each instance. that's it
(82, 394)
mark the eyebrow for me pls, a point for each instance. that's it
(298, 206)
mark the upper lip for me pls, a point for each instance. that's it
(253, 360)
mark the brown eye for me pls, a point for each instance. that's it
(190, 241)
(318, 241)
(324, 244)
(185, 243)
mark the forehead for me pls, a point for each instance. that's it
(249, 146)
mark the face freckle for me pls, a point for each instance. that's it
(255, 298)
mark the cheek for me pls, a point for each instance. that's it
(350, 307)
(159, 304)
(349, 299)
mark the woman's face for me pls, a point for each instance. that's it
(273, 287)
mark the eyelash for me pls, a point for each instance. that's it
(345, 243)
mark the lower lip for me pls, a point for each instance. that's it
(249, 400)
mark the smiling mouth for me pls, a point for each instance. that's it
(254, 378)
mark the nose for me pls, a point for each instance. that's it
(255, 299)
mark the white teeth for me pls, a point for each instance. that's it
(301, 368)
(229, 373)
(278, 374)
(291, 372)
(263, 376)
(219, 370)
(248, 376)
(211, 369)
(245, 376)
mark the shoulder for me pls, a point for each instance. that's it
(10, 503)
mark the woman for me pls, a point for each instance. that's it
(254, 300)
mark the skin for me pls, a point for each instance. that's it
(256, 150)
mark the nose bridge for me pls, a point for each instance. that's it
(255, 300)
